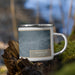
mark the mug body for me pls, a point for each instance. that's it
(36, 41)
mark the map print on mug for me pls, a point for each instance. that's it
(34, 43)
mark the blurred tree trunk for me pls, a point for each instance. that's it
(37, 14)
(50, 16)
(69, 16)
(12, 8)
(74, 25)
(72, 36)
(62, 14)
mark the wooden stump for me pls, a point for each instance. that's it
(15, 65)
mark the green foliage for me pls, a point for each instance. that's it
(68, 69)
(69, 54)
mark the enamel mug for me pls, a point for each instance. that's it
(36, 42)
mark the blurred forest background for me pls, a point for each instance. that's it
(61, 13)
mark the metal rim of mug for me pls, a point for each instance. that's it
(36, 25)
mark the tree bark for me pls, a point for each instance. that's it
(14, 64)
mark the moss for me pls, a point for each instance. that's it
(69, 54)
(68, 69)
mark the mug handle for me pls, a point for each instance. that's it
(59, 34)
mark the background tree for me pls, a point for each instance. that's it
(13, 19)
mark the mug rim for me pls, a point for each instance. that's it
(36, 25)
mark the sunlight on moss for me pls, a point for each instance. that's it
(69, 54)
(3, 69)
